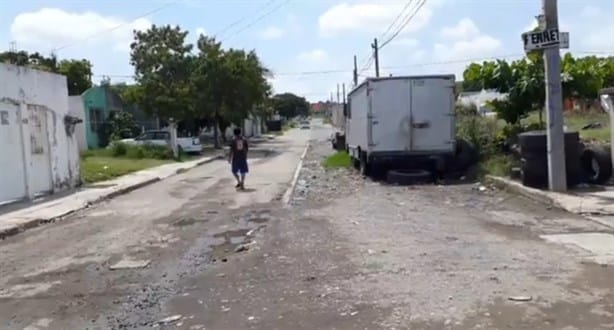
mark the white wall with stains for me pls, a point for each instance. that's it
(76, 109)
(38, 154)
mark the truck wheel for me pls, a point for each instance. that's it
(408, 177)
(596, 164)
(365, 169)
(465, 156)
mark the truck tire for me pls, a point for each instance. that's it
(365, 169)
(408, 177)
(466, 155)
(596, 165)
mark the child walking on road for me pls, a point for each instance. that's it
(238, 158)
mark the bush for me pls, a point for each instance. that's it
(481, 132)
(135, 152)
(118, 149)
(151, 151)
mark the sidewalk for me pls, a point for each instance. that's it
(14, 222)
(588, 201)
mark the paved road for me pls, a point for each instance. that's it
(347, 254)
(59, 274)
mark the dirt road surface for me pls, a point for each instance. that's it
(347, 253)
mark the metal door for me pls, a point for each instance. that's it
(432, 113)
(40, 158)
(13, 177)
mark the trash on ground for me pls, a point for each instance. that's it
(170, 319)
(520, 298)
(130, 264)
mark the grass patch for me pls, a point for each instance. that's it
(498, 165)
(576, 120)
(101, 168)
(339, 159)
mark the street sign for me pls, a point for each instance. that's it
(536, 40)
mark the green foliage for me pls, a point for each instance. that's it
(78, 72)
(148, 151)
(289, 105)
(523, 80)
(499, 165)
(118, 149)
(481, 132)
(162, 63)
(123, 125)
(78, 75)
(339, 159)
(101, 168)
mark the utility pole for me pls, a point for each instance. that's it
(337, 93)
(355, 72)
(376, 56)
(343, 93)
(557, 173)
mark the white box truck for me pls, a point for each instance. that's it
(401, 123)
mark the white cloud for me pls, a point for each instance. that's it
(467, 46)
(370, 17)
(316, 55)
(464, 30)
(48, 28)
(272, 32)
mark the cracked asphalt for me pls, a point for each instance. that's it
(347, 253)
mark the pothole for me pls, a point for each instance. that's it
(232, 239)
(188, 222)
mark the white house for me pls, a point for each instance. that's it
(480, 99)
(38, 145)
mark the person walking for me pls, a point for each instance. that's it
(238, 158)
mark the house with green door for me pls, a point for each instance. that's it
(98, 103)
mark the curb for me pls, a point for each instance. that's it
(532, 193)
(297, 172)
(33, 223)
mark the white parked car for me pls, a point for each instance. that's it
(161, 138)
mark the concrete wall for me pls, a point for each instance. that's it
(37, 153)
(76, 109)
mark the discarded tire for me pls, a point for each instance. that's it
(533, 152)
(408, 177)
(596, 164)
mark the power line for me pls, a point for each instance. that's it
(404, 24)
(93, 35)
(240, 20)
(338, 70)
(258, 19)
(396, 19)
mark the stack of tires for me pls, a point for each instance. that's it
(596, 163)
(534, 158)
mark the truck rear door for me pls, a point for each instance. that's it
(389, 119)
(432, 114)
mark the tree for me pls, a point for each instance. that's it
(78, 72)
(289, 105)
(162, 64)
(123, 125)
(78, 75)
(228, 85)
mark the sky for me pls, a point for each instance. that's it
(308, 44)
